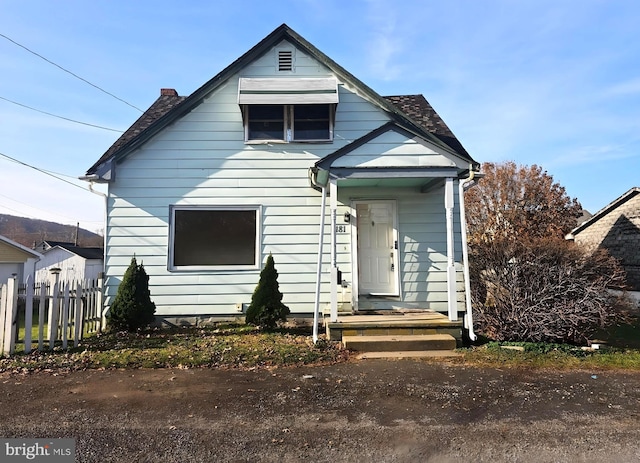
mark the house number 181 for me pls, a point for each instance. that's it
(341, 228)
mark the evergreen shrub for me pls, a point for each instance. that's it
(266, 308)
(132, 308)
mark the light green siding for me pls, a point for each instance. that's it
(202, 159)
(422, 243)
(393, 149)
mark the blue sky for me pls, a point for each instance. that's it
(554, 83)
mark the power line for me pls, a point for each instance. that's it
(10, 209)
(59, 117)
(60, 174)
(38, 209)
(43, 171)
(69, 72)
(75, 177)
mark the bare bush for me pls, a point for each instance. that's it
(545, 291)
(518, 202)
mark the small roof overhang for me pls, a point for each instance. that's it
(288, 90)
(393, 156)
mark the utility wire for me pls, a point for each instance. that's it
(59, 117)
(69, 72)
(38, 209)
(60, 174)
(43, 171)
(11, 209)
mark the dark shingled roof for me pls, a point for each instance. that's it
(413, 110)
(419, 109)
(165, 103)
(56, 243)
(87, 253)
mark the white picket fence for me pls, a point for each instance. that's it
(62, 311)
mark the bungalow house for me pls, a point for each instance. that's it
(616, 228)
(76, 263)
(16, 259)
(284, 152)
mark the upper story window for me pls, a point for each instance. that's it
(288, 109)
(312, 122)
(264, 122)
(289, 123)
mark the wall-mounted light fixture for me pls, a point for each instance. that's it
(347, 217)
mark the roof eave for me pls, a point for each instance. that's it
(605, 210)
(400, 126)
(283, 32)
(19, 246)
(198, 95)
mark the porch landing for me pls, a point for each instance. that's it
(424, 333)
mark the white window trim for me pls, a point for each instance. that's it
(188, 268)
(289, 130)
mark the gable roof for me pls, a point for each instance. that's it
(418, 108)
(608, 208)
(52, 244)
(167, 100)
(20, 247)
(327, 162)
(86, 253)
(166, 110)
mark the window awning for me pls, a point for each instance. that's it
(287, 90)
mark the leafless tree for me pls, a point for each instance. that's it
(528, 283)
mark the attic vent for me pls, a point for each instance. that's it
(285, 60)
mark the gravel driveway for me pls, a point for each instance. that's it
(361, 411)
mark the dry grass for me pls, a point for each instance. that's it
(223, 346)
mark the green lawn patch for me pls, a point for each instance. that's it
(619, 349)
(551, 356)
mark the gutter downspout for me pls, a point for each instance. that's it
(316, 308)
(104, 238)
(465, 253)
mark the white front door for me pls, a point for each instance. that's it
(377, 254)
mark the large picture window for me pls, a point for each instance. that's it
(214, 238)
(289, 123)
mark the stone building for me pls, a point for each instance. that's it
(616, 228)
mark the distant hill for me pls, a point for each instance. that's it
(29, 231)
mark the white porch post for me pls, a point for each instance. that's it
(452, 304)
(333, 194)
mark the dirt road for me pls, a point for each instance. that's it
(373, 410)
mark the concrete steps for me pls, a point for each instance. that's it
(395, 343)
